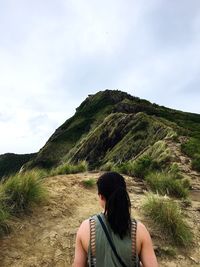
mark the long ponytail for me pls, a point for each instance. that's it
(117, 209)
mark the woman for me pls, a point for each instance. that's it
(112, 238)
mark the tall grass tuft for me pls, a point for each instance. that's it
(141, 166)
(21, 190)
(108, 166)
(4, 214)
(167, 215)
(160, 153)
(192, 149)
(67, 168)
(196, 163)
(89, 183)
(165, 183)
(174, 170)
(40, 173)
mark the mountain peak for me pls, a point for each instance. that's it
(107, 126)
(107, 96)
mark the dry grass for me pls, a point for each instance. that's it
(168, 216)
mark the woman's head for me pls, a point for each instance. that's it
(109, 182)
(112, 187)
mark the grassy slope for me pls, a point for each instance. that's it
(90, 113)
(11, 163)
(77, 138)
(118, 138)
(144, 131)
(102, 138)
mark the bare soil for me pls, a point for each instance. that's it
(46, 236)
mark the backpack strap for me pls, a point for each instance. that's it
(92, 241)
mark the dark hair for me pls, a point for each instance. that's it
(117, 210)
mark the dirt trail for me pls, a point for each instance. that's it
(45, 238)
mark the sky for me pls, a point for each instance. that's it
(54, 53)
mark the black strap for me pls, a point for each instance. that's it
(110, 241)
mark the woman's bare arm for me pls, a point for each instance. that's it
(80, 259)
(147, 254)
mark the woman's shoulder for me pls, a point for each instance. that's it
(84, 225)
(86, 221)
(141, 227)
(143, 234)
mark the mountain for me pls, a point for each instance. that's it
(156, 149)
(114, 126)
(11, 163)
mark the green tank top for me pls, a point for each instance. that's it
(100, 253)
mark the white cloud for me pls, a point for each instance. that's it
(54, 53)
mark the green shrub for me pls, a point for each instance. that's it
(160, 153)
(168, 216)
(124, 167)
(82, 166)
(21, 190)
(174, 170)
(156, 158)
(165, 183)
(196, 163)
(4, 215)
(140, 166)
(186, 182)
(41, 173)
(89, 182)
(61, 169)
(192, 149)
(108, 166)
(68, 168)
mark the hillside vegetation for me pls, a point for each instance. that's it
(11, 163)
(111, 126)
(156, 148)
(114, 126)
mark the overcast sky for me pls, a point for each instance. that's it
(54, 53)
